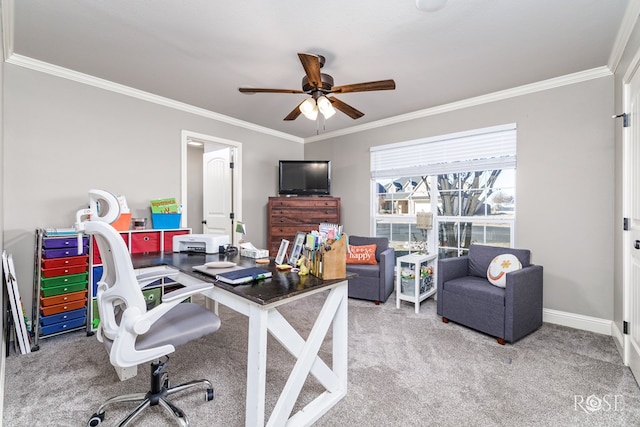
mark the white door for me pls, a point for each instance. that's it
(632, 237)
(217, 189)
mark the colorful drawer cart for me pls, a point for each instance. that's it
(61, 277)
(138, 241)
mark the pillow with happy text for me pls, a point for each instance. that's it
(500, 266)
(365, 254)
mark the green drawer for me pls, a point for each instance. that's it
(63, 289)
(64, 280)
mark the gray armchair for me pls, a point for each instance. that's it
(465, 296)
(373, 282)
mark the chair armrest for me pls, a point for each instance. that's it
(148, 275)
(523, 301)
(183, 293)
(387, 265)
(452, 268)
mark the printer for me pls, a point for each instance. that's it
(200, 243)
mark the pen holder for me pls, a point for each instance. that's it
(331, 264)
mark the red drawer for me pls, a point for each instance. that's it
(63, 271)
(145, 242)
(168, 239)
(62, 299)
(59, 308)
(65, 262)
(96, 252)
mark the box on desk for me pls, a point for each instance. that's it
(254, 253)
(331, 264)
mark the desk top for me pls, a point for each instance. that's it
(283, 284)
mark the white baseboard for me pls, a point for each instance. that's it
(578, 321)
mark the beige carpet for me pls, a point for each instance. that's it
(404, 370)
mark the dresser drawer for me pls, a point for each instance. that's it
(304, 202)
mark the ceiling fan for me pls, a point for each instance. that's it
(318, 85)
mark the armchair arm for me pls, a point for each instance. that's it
(387, 264)
(452, 268)
(523, 301)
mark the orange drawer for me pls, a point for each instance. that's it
(59, 308)
(63, 271)
(62, 299)
(145, 242)
(65, 262)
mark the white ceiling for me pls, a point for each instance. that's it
(200, 51)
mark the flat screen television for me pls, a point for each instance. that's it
(305, 177)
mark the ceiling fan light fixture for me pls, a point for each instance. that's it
(430, 5)
(309, 108)
(325, 107)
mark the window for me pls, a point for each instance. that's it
(471, 178)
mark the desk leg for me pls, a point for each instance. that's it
(256, 366)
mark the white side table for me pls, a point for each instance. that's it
(419, 287)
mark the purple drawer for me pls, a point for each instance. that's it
(64, 252)
(63, 242)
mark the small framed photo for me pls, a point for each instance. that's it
(282, 252)
(298, 243)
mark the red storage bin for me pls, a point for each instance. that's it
(145, 242)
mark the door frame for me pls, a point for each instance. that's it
(211, 142)
(627, 139)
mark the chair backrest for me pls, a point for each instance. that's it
(118, 288)
(480, 256)
(381, 243)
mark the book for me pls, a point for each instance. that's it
(243, 275)
(168, 205)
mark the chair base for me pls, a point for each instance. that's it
(160, 389)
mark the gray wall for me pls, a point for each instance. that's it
(62, 138)
(565, 183)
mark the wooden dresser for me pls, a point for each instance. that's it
(288, 215)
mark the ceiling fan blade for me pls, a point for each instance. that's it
(345, 108)
(311, 65)
(294, 113)
(365, 87)
(262, 90)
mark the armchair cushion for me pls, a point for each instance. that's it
(365, 254)
(373, 282)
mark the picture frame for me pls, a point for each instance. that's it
(298, 244)
(282, 252)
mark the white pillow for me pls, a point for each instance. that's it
(500, 266)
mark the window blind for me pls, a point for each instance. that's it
(481, 149)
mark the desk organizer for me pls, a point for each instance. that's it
(330, 264)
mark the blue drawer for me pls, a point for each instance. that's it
(63, 317)
(97, 275)
(63, 326)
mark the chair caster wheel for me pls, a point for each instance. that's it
(210, 394)
(95, 419)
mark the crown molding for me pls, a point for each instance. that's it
(629, 21)
(87, 79)
(566, 80)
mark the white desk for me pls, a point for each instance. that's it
(260, 304)
(265, 319)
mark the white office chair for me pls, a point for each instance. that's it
(132, 334)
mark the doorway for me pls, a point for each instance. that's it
(212, 193)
